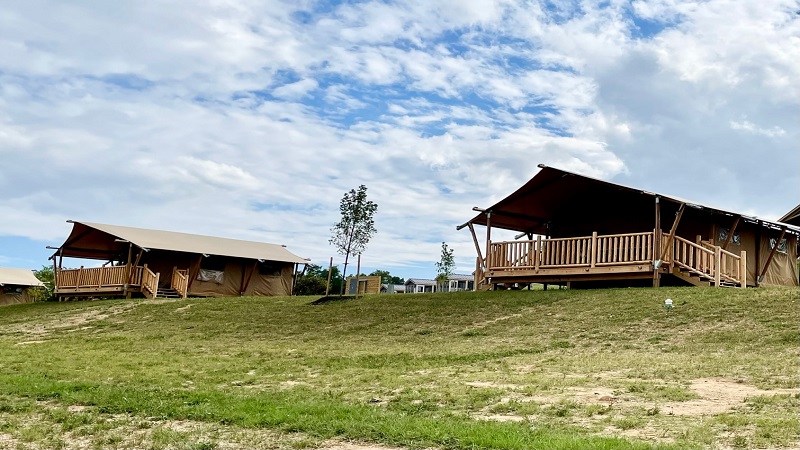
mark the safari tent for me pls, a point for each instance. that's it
(792, 217)
(16, 286)
(156, 263)
(577, 230)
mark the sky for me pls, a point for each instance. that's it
(250, 119)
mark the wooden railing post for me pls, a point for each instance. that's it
(743, 269)
(594, 249)
(717, 265)
(539, 253)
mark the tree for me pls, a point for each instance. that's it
(445, 265)
(357, 226)
(47, 276)
(387, 277)
(315, 279)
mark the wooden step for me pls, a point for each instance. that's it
(692, 278)
(167, 293)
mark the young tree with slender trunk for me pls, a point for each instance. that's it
(357, 226)
(445, 265)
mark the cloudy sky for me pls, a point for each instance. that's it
(251, 118)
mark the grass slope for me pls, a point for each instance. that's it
(493, 370)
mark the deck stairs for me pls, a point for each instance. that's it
(168, 293)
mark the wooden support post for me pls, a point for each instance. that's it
(772, 254)
(594, 249)
(743, 269)
(328, 286)
(475, 241)
(539, 253)
(488, 239)
(731, 231)
(756, 282)
(672, 230)
(358, 272)
(717, 265)
(657, 243)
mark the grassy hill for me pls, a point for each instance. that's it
(557, 369)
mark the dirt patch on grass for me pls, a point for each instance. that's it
(717, 396)
(68, 321)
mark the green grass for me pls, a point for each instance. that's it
(416, 371)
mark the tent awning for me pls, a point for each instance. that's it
(554, 192)
(18, 277)
(101, 241)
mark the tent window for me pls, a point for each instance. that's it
(214, 276)
(722, 236)
(269, 268)
(213, 263)
(782, 245)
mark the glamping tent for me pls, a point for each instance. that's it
(584, 231)
(792, 217)
(157, 263)
(16, 284)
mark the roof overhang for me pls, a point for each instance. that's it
(552, 191)
(792, 217)
(104, 242)
(18, 277)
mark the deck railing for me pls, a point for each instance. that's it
(96, 277)
(180, 281)
(149, 282)
(708, 260)
(701, 259)
(583, 251)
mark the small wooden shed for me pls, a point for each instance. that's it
(366, 285)
(16, 286)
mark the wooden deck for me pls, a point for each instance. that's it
(115, 281)
(628, 256)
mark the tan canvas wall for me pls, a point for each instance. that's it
(782, 271)
(11, 297)
(235, 275)
(755, 241)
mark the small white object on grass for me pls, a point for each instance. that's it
(668, 304)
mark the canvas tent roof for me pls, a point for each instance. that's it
(552, 191)
(86, 241)
(18, 277)
(792, 217)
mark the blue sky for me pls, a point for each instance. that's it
(250, 119)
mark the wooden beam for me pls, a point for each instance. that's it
(772, 254)
(731, 231)
(672, 230)
(475, 241)
(758, 253)
(328, 286)
(657, 242)
(488, 237)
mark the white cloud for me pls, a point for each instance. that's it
(161, 114)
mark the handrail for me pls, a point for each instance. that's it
(149, 283)
(180, 281)
(702, 259)
(710, 261)
(93, 277)
(582, 251)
